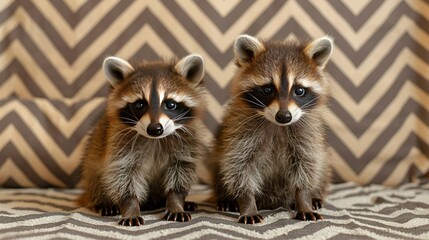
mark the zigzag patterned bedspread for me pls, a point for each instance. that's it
(351, 212)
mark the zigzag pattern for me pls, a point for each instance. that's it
(351, 212)
(378, 119)
(41, 140)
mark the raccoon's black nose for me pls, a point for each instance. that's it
(155, 129)
(283, 117)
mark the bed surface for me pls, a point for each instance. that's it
(351, 212)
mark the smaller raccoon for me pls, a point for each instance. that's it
(142, 153)
(271, 150)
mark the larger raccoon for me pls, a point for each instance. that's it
(142, 153)
(271, 150)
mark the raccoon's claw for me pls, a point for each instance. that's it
(109, 211)
(227, 207)
(177, 217)
(136, 221)
(308, 216)
(190, 206)
(317, 203)
(246, 219)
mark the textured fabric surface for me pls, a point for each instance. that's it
(377, 120)
(351, 212)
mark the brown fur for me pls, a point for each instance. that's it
(126, 172)
(258, 164)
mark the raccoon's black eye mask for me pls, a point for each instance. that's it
(261, 96)
(132, 112)
(177, 111)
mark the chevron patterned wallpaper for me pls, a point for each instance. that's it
(52, 86)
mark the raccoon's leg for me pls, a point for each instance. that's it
(317, 203)
(303, 207)
(174, 207)
(190, 206)
(181, 174)
(130, 209)
(224, 203)
(107, 209)
(227, 206)
(248, 210)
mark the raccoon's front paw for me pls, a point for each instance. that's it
(190, 206)
(132, 221)
(317, 203)
(308, 216)
(247, 219)
(177, 217)
(231, 206)
(108, 210)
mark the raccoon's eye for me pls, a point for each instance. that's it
(139, 105)
(300, 91)
(267, 90)
(171, 105)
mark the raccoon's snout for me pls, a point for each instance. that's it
(155, 129)
(283, 117)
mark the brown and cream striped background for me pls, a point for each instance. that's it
(52, 86)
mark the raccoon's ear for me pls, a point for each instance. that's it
(320, 50)
(246, 48)
(191, 67)
(116, 70)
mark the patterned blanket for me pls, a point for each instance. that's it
(351, 212)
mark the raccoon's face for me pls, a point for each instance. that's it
(155, 99)
(282, 81)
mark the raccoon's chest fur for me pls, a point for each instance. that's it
(288, 166)
(148, 159)
(141, 159)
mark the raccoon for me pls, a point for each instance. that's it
(142, 153)
(271, 151)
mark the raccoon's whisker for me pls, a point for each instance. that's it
(260, 125)
(129, 119)
(181, 115)
(132, 121)
(183, 118)
(133, 143)
(307, 104)
(315, 113)
(116, 134)
(181, 139)
(137, 122)
(188, 131)
(259, 101)
(123, 133)
(263, 105)
(238, 128)
(252, 102)
(305, 123)
(125, 145)
(134, 114)
(236, 95)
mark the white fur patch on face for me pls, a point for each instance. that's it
(161, 94)
(142, 124)
(291, 79)
(190, 102)
(270, 113)
(167, 124)
(295, 111)
(313, 85)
